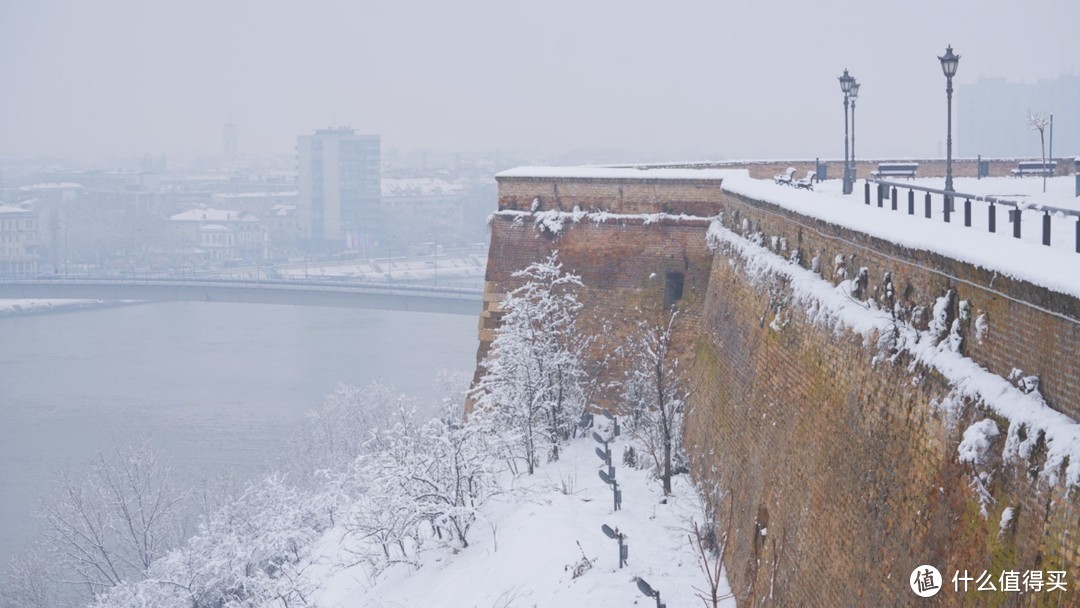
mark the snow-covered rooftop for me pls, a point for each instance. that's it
(213, 215)
(230, 195)
(418, 186)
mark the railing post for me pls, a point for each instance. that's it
(1078, 231)
(1046, 227)
(867, 189)
(928, 205)
(967, 212)
(1016, 222)
(880, 193)
(893, 197)
(948, 207)
(911, 202)
(992, 219)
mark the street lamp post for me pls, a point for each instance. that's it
(854, 94)
(949, 63)
(846, 80)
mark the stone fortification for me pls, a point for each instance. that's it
(851, 438)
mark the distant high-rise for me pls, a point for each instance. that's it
(228, 134)
(992, 117)
(338, 178)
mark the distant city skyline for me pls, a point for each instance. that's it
(682, 80)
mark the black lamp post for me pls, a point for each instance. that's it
(854, 94)
(949, 63)
(846, 80)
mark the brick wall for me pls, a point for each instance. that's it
(845, 461)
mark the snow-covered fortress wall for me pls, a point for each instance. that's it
(863, 408)
(844, 384)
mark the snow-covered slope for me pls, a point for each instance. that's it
(523, 550)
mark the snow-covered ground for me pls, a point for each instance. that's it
(1056, 267)
(522, 551)
(26, 307)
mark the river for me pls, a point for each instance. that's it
(215, 388)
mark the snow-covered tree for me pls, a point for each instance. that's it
(251, 553)
(534, 383)
(654, 396)
(438, 473)
(110, 525)
(29, 583)
(334, 434)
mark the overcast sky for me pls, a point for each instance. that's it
(675, 79)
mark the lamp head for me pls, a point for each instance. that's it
(846, 80)
(949, 62)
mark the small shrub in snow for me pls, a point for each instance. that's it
(581, 566)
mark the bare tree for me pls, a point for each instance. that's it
(1038, 121)
(112, 524)
(30, 582)
(711, 552)
(655, 396)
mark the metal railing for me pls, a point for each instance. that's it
(946, 203)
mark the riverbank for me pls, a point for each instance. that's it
(18, 308)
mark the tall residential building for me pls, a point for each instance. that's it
(991, 117)
(228, 136)
(338, 177)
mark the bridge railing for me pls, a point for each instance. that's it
(942, 203)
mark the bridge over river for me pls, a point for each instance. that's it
(380, 296)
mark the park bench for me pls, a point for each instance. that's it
(896, 170)
(1034, 167)
(787, 177)
(807, 182)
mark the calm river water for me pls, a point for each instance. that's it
(214, 387)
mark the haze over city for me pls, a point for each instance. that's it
(351, 303)
(659, 81)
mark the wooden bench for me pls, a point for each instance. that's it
(1034, 167)
(896, 170)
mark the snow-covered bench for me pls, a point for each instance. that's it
(807, 182)
(787, 177)
(1034, 167)
(896, 170)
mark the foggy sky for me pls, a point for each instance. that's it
(668, 79)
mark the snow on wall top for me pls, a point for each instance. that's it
(624, 173)
(1055, 268)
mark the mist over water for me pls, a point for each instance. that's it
(216, 388)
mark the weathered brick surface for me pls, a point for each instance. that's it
(622, 263)
(844, 459)
(848, 459)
